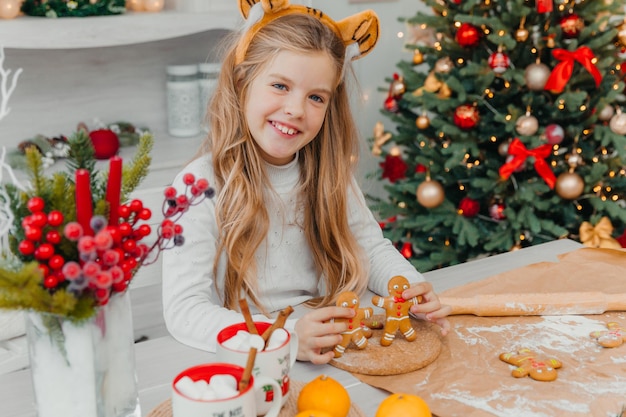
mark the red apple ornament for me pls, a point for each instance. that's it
(105, 143)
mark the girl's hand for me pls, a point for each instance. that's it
(316, 333)
(430, 307)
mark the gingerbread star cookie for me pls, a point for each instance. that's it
(528, 364)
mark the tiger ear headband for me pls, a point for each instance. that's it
(358, 32)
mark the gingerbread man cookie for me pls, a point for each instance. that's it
(357, 331)
(613, 337)
(529, 365)
(396, 311)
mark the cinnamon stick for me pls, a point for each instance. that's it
(245, 377)
(278, 323)
(245, 310)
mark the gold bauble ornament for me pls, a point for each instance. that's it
(10, 9)
(430, 193)
(418, 57)
(422, 122)
(569, 185)
(521, 35)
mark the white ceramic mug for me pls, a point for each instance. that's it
(273, 363)
(241, 405)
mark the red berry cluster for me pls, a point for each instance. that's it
(42, 234)
(108, 259)
(174, 205)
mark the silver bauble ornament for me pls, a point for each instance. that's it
(527, 125)
(536, 76)
(569, 185)
(430, 193)
(618, 123)
(606, 113)
(503, 148)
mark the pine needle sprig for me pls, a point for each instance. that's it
(138, 168)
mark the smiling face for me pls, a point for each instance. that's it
(286, 103)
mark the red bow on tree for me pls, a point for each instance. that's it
(563, 71)
(519, 152)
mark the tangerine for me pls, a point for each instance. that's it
(405, 405)
(313, 413)
(324, 394)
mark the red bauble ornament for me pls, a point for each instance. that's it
(571, 25)
(420, 168)
(468, 35)
(105, 143)
(407, 250)
(466, 116)
(554, 134)
(496, 211)
(469, 207)
(499, 62)
(391, 104)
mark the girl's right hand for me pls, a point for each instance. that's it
(317, 333)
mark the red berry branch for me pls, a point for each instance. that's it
(109, 258)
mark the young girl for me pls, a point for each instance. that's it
(288, 224)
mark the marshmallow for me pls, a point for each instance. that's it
(256, 341)
(224, 386)
(277, 339)
(188, 388)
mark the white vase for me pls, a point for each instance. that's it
(84, 369)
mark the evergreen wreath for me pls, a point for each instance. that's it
(73, 8)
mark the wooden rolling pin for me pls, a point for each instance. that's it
(536, 304)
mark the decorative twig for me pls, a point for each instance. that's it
(243, 305)
(5, 89)
(278, 323)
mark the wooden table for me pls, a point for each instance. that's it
(160, 360)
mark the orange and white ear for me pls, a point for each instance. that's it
(362, 28)
(269, 6)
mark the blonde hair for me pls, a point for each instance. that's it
(326, 168)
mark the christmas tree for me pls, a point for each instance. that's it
(510, 129)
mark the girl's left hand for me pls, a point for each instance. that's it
(430, 308)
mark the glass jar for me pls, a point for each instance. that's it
(87, 368)
(208, 74)
(183, 100)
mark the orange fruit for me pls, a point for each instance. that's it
(324, 394)
(313, 413)
(405, 405)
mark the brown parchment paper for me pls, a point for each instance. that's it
(468, 379)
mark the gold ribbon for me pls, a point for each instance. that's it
(598, 236)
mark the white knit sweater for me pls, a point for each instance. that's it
(286, 271)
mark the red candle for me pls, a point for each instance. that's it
(84, 208)
(114, 188)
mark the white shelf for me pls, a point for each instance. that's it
(26, 32)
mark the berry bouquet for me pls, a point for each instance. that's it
(74, 241)
(73, 254)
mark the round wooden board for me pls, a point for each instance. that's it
(290, 408)
(398, 358)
